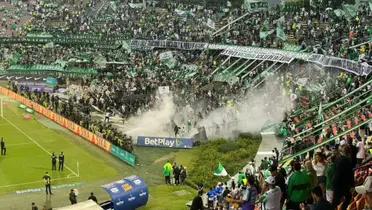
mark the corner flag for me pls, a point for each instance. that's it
(220, 171)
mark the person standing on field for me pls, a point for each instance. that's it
(72, 197)
(3, 147)
(61, 161)
(47, 180)
(54, 162)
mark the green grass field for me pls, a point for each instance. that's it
(29, 144)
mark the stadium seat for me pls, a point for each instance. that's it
(339, 207)
(360, 204)
(357, 197)
(352, 206)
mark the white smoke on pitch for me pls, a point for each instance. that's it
(256, 109)
(154, 122)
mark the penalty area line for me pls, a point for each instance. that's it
(36, 143)
(35, 182)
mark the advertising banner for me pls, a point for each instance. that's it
(73, 127)
(123, 155)
(168, 142)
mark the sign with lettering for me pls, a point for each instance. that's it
(168, 142)
(128, 193)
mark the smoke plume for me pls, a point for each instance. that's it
(249, 114)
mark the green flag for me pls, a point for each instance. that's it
(350, 11)
(280, 33)
(220, 171)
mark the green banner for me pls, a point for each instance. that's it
(123, 155)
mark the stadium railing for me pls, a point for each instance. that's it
(246, 52)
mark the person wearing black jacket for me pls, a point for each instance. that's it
(54, 162)
(61, 161)
(176, 173)
(3, 148)
(197, 202)
(343, 179)
(72, 197)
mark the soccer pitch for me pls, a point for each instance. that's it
(29, 144)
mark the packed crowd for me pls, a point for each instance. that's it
(306, 128)
(325, 179)
(76, 111)
(322, 179)
(324, 32)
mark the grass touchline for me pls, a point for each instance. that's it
(36, 143)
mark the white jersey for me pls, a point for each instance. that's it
(272, 199)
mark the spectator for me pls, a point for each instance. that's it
(176, 174)
(212, 198)
(319, 202)
(272, 197)
(72, 197)
(167, 171)
(197, 202)
(34, 207)
(330, 173)
(366, 191)
(343, 178)
(319, 166)
(280, 182)
(298, 188)
(183, 174)
(249, 195)
(361, 151)
(311, 174)
(93, 197)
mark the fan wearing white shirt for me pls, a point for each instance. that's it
(319, 165)
(271, 198)
(361, 154)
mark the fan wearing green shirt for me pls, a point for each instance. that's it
(299, 185)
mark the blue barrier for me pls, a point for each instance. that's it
(129, 193)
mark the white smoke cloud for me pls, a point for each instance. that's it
(256, 109)
(154, 122)
(249, 114)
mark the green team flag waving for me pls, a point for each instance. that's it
(220, 171)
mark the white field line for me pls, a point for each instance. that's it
(26, 183)
(35, 142)
(18, 144)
